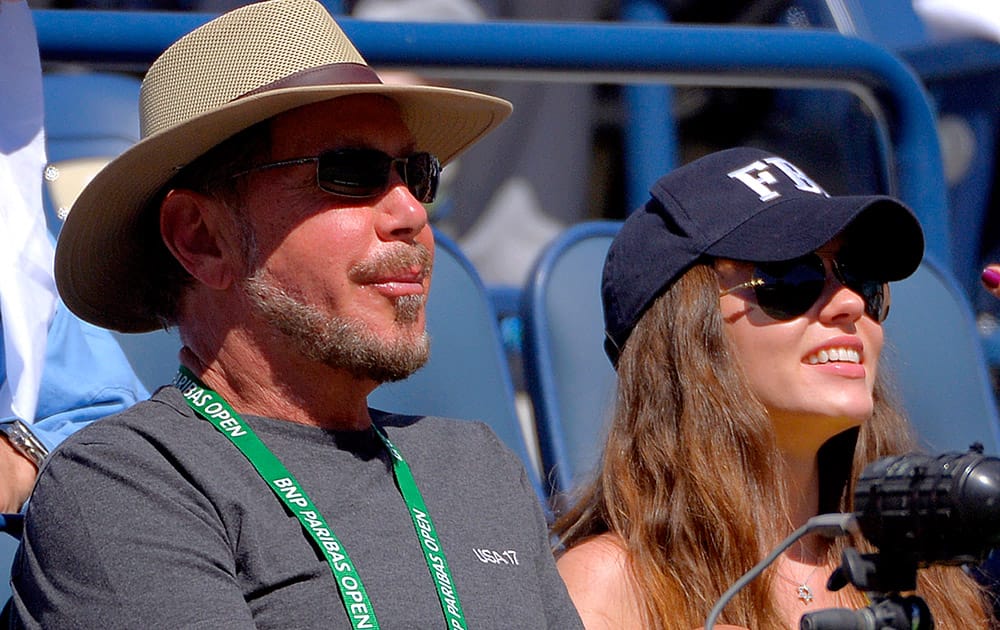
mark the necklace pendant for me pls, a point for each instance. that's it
(804, 593)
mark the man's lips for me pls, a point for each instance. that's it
(396, 284)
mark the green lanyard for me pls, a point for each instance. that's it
(212, 407)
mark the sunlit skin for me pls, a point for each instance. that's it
(807, 403)
(307, 241)
(18, 473)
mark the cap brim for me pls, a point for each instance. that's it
(99, 264)
(885, 231)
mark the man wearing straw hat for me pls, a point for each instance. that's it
(272, 212)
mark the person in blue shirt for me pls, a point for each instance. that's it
(85, 377)
(57, 373)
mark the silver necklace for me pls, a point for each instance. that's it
(802, 589)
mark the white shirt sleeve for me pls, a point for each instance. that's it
(27, 287)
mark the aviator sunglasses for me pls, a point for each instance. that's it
(365, 173)
(787, 289)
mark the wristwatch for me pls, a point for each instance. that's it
(24, 440)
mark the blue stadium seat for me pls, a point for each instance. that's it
(468, 375)
(8, 545)
(153, 355)
(568, 376)
(934, 353)
(90, 113)
(932, 348)
(90, 117)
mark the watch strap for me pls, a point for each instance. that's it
(22, 439)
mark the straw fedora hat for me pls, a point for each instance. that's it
(237, 70)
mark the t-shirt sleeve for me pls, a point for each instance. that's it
(116, 537)
(557, 607)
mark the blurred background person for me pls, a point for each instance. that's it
(58, 373)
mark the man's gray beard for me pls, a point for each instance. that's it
(339, 342)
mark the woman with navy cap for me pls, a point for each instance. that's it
(743, 309)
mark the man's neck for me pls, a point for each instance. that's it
(283, 387)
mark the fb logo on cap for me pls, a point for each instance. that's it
(758, 178)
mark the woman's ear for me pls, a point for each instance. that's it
(199, 230)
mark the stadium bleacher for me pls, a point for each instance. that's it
(652, 56)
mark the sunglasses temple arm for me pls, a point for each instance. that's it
(749, 284)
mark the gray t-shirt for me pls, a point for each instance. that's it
(152, 518)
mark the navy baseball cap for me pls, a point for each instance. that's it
(744, 204)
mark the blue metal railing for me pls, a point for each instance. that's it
(606, 53)
(650, 133)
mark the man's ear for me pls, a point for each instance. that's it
(199, 230)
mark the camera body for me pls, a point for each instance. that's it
(918, 510)
(942, 509)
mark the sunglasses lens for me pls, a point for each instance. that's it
(365, 173)
(874, 292)
(790, 288)
(353, 172)
(422, 173)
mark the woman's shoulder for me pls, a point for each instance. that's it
(603, 554)
(597, 575)
(600, 582)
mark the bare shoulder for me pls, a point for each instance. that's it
(599, 582)
(602, 557)
(601, 585)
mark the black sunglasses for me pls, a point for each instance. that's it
(787, 289)
(365, 173)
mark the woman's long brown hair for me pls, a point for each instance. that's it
(691, 477)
